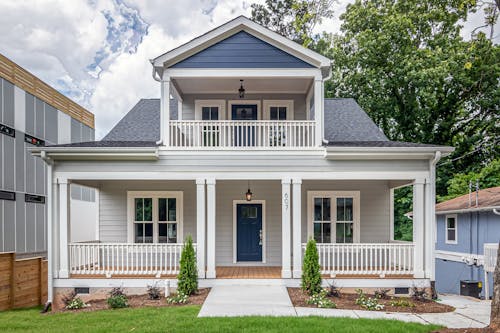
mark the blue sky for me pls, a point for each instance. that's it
(97, 51)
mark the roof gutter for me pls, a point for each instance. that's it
(357, 153)
(494, 209)
(103, 153)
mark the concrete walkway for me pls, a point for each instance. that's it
(233, 301)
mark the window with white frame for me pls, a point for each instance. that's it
(155, 216)
(451, 229)
(333, 216)
(278, 109)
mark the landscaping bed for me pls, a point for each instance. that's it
(347, 301)
(139, 301)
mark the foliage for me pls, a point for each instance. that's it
(366, 302)
(311, 275)
(333, 290)
(179, 298)
(67, 299)
(419, 294)
(117, 298)
(402, 302)
(403, 203)
(188, 274)
(294, 19)
(321, 301)
(382, 293)
(76, 304)
(154, 292)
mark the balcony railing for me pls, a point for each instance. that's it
(366, 259)
(124, 259)
(266, 134)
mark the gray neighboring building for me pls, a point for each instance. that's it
(32, 113)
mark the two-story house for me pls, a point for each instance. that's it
(244, 153)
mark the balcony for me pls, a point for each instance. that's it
(237, 134)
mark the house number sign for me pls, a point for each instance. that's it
(286, 200)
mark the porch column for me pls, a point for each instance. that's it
(318, 109)
(418, 228)
(429, 227)
(297, 226)
(165, 110)
(63, 227)
(200, 226)
(286, 272)
(210, 229)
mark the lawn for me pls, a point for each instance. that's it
(183, 319)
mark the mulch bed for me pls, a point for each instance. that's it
(347, 301)
(140, 301)
(465, 330)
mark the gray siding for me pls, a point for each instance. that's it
(450, 273)
(242, 50)
(8, 103)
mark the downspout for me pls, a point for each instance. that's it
(50, 243)
(328, 77)
(432, 214)
(495, 211)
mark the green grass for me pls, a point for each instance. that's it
(183, 319)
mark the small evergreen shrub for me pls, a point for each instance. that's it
(187, 280)
(117, 298)
(368, 303)
(321, 301)
(154, 292)
(311, 275)
(179, 298)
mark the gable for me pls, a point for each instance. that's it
(242, 50)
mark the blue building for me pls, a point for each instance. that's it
(466, 226)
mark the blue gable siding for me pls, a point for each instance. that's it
(242, 50)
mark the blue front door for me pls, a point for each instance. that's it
(249, 232)
(244, 135)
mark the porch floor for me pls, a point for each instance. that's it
(248, 272)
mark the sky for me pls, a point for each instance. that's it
(97, 51)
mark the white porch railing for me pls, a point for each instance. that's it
(366, 259)
(490, 256)
(242, 134)
(124, 258)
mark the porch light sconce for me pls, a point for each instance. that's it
(249, 193)
(241, 91)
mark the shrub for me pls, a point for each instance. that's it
(154, 292)
(382, 293)
(117, 298)
(311, 275)
(179, 298)
(321, 301)
(188, 275)
(419, 294)
(368, 303)
(67, 299)
(402, 302)
(333, 291)
(76, 304)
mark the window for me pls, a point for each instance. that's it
(155, 217)
(209, 109)
(451, 229)
(277, 113)
(333, 216)
(278, 109)
(210, 113)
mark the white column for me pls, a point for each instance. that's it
(418, 228)
(286, 271)
(297, 226)
(63, 227)
(429, 226)
(318, 110)
(391, 213)
(200, 226)
(211, 229)
(165, 110)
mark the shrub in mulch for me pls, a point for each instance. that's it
(311, 274)
(117, 298)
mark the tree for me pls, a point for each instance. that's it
(311, 275)
(495, 303)
(187, 280)
(294, 19)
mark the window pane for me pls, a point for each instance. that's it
(451, 222)
(205, 113)
(317, 233)
(139, 216)
(274, 113)
(148, 232)
(326, 233)
(348, 209)
(139, 232)
(162, 232)
(162, 209)
(172, 232)
(148, 209)
(317, 209)
(326, 209)
(282, 113)
(451, 235)
(340, 233)
(214, 113)
(172, 209)
(349, 232)
(340, 209)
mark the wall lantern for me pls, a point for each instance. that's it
(241, 91)
(249, 193)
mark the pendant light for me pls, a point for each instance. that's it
(249, 193)
(241, 91)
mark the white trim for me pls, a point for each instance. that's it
(235, 231)
(268, 103)
(232, 102)
(244, 72)
(467, 210)
(199, 103)
(297, 227)
(232, 27)
(455, 217)
(467, 258)
(155, 195)
(333, 195)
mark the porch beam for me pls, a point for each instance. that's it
(418, 228)
(64, 211)
(297, 226)
(286, 271)
(200, 226)
(211, 229)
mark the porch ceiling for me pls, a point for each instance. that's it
(230, 85)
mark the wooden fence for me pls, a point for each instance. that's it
(23, 282)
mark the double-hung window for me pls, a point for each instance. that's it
(278, 110)
(451, 229)
(322, 220)
(210, 110)
(155, 216)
